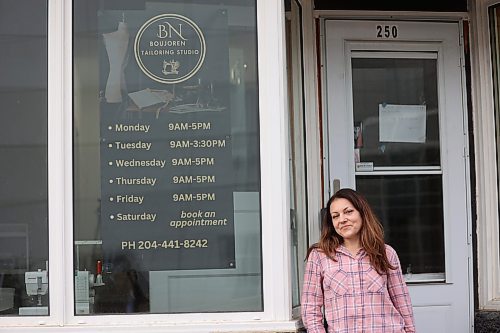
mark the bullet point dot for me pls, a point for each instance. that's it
(110, 163)
(111, 181)
(111, 199)
(110, 127)
(110, 145)
(112, 217)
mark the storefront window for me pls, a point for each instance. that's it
(166, 157)
(23, 171)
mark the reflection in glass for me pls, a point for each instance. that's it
(411, 211)
(23, 171)
(166, 155)
(392, 81)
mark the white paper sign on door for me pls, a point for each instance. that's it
(402, 123)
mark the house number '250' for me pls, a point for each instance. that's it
(387, 31)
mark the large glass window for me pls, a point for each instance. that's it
(166, 157)
(23, 170)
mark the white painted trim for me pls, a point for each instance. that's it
(467, 174)
(398, 55)
(396, 173)
(67, 65)
(297, 140)
(329, 186)
(408, 168)
(275, 173)
(56, 160)
(485, 154)
(314, 159)
(221, 327)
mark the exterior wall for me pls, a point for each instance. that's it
(486, 171)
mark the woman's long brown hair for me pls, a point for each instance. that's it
(371, 234)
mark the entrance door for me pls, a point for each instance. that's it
(397, 132)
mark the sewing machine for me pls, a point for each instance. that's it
(37, 284)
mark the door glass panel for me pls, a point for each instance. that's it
(411, 211)
(397, 154)
(404, 93)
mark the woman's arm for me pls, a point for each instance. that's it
(398, 291)
(312, 295)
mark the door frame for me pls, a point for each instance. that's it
(325, 129)
(483, 109)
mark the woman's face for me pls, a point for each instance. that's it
(346, 219)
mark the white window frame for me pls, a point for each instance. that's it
(313, 130)
(488, 242)
(297, 139)
(275, 203)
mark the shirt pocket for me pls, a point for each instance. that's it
(374, 282)
(336, 282)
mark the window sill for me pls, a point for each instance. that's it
(240, 327)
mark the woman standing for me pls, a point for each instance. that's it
(354, 274)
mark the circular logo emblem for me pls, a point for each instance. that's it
(169, 48)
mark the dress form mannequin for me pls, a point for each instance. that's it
(116, 44)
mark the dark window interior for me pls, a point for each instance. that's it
(392, 5)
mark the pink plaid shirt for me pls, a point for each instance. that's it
(356, 298)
